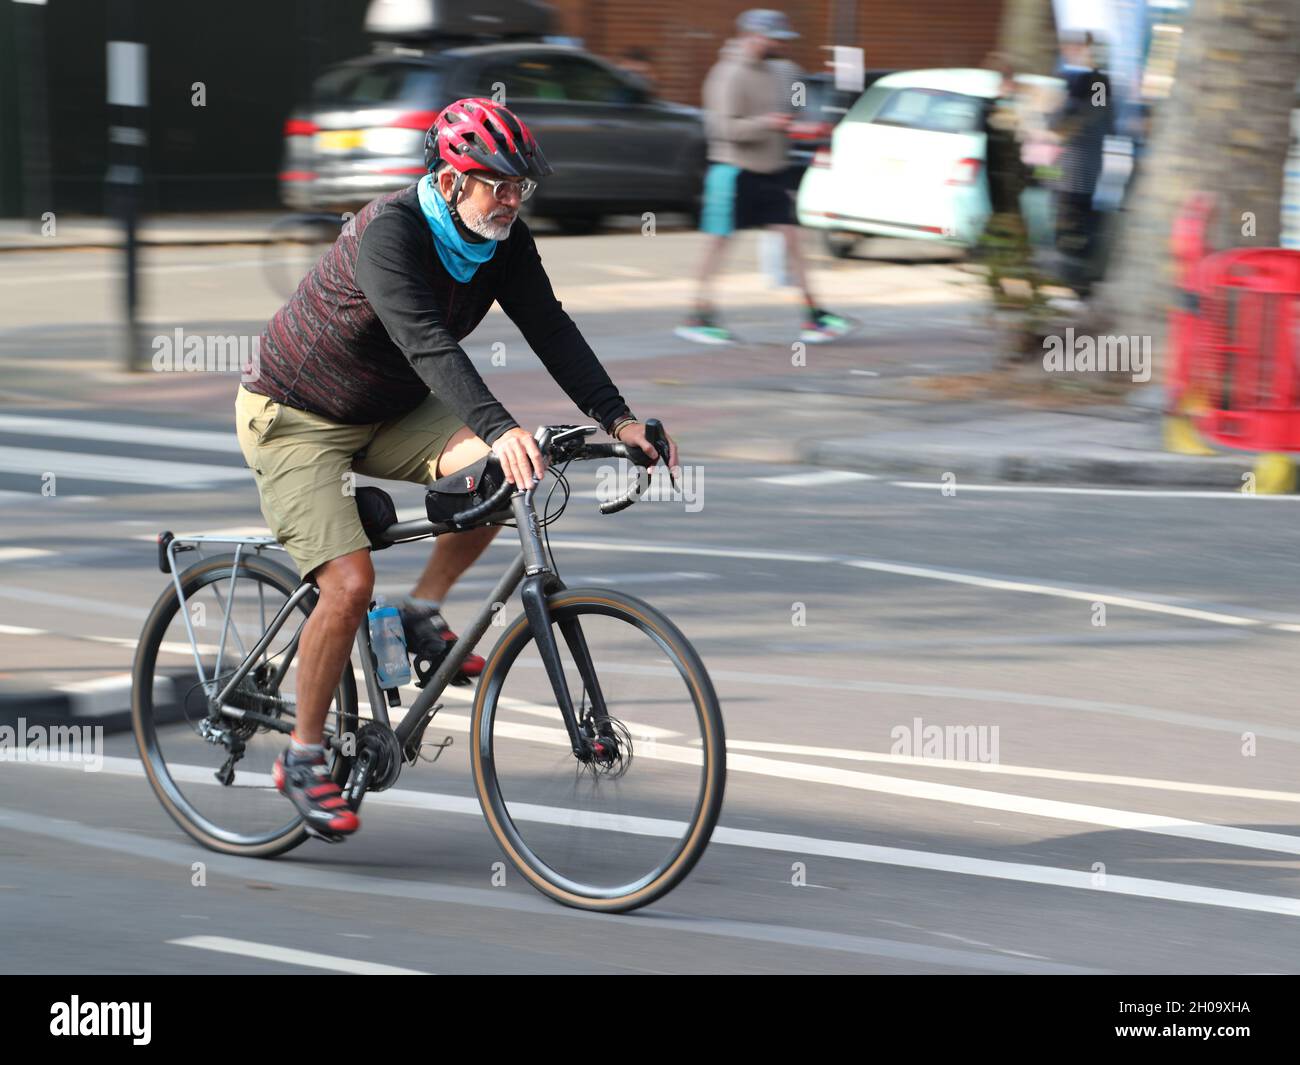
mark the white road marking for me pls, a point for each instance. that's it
(816, 478)
(1013, 770)
(925, 791)
(20, 630)
(12, 496)
(121, 433)
(865, 373)
(15, 554)
(298, 876)
(86, 466)
(1027, 587)
(1048, 876)
(306, 958)
(933, 574)
(1136, 493)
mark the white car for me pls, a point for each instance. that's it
(907, 160)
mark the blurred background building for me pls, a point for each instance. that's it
(256, 60)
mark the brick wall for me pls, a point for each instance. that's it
(683, 36)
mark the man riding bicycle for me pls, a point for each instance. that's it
(361, 371)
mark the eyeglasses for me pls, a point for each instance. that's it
(524, 188)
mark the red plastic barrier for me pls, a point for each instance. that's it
(1234, 359)
(1243, 362)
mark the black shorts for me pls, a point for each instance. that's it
(744, 199)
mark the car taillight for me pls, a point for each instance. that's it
(420, 120)
(964, 172)
(822, 158)
(299, 127)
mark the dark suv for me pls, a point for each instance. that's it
(615, 148)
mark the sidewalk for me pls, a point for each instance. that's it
(252, 227)
(236, 227)
(1110, 446)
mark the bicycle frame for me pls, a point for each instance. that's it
(532, 567)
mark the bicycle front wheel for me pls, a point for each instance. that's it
(624, 828)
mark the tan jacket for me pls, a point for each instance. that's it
(737, 94)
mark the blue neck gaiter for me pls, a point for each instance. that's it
(460, 256)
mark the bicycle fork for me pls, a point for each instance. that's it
(540, 582)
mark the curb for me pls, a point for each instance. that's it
(105, 702)
(1149, 470)
(105, 244)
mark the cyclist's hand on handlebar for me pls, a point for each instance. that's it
(521, 459)
(634, 434)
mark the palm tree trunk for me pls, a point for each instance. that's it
(1027, 36)
(1224, 129)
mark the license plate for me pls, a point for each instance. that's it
(338, 140)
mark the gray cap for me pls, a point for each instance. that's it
(769, 23)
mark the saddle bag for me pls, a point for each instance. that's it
(377, 512)
(468, 487)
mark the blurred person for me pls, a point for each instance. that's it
(1081, 126)
(1004, 244)
(362, 371)
(787, 76)
(746, 185)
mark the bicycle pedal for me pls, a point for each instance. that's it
(327, 837)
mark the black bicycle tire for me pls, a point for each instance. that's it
(709, 804)
(142, 725)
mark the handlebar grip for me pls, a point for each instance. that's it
(655, 434)
(486, 507)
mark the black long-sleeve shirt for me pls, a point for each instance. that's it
(375, 326)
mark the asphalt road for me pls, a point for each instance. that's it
(1140, 814)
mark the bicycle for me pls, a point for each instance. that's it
(598, 758)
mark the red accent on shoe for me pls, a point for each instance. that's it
(473, 664)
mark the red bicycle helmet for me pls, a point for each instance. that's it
(479, 134)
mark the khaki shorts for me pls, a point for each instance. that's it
(303, 464)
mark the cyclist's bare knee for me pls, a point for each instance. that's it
(464, 448)
(346, 583)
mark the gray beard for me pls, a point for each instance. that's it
(477, 223)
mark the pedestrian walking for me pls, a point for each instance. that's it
(746, 184)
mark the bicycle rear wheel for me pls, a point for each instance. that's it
(184, 747)
(621, 831)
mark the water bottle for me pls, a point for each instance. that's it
(388, 642)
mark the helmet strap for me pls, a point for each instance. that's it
(457, 188)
